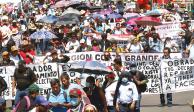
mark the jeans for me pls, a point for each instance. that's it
(124, 108)
(111, 109)
(138, 104)
(169, 98)
(20, 94)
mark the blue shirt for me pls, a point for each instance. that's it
(60, 98)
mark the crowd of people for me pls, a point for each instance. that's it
(121, 91)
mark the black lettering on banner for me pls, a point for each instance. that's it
(72, 74)
(168, 87)
(47, 75)
(45, 91)
(65, 67)
(44, 68)
(43, 81)
(97, 57)
(2, 70)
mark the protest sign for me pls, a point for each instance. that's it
(45, 72)
(151, 70)
(7, 73)
(177, 75)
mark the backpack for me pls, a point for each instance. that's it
(18, 104)
(142, 87)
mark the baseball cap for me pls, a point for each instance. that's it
(75, 92)
(40, 100)
(33, 88)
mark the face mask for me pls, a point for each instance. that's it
(74, 101)
(124, 79)
(88, 84)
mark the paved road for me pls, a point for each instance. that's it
(150, 103)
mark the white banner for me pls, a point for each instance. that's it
(177, 75)
(7, 73)
(45, 72)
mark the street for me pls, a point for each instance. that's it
(150, 103)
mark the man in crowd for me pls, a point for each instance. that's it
(109, 87)
(67, 86)
(104, 43)
(140, 80)
(76, 100)
(6, 60)
(58, 97)
(166, 55)
(15, 56)
(95, 94)
(23, 78)
(27, 53)
(26, 103)
(127, 94)
(72, 45)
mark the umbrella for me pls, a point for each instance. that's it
(114, 16)
(99, 16)
(131, 15)
(96, 7)
(104, 12)
(132, 21)
(48, 19)
(156, 12)
(58, 23)
(42, 35)
(65, 3)
(82, 7)
(91, 67)
(59, 4)
(148, 20)
(72, 11)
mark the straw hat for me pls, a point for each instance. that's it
(14, 48)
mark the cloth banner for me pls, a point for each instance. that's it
(44, 73)
(177, 75)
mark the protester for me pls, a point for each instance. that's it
(26, 103)
(6, 61)
(23, 78)
(42, 105)
(67, 86)
(26, 52)
(76, 101)
(15, 56)
(95, 94)
(127, 94)
(140, 81)
(191, 48)
(109, 87)
(166, 55)
(104, 43)
(58, 97)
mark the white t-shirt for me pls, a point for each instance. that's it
(71, 44)
(135, 48)
(109, 92)
(15, 59)
(127, 93)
